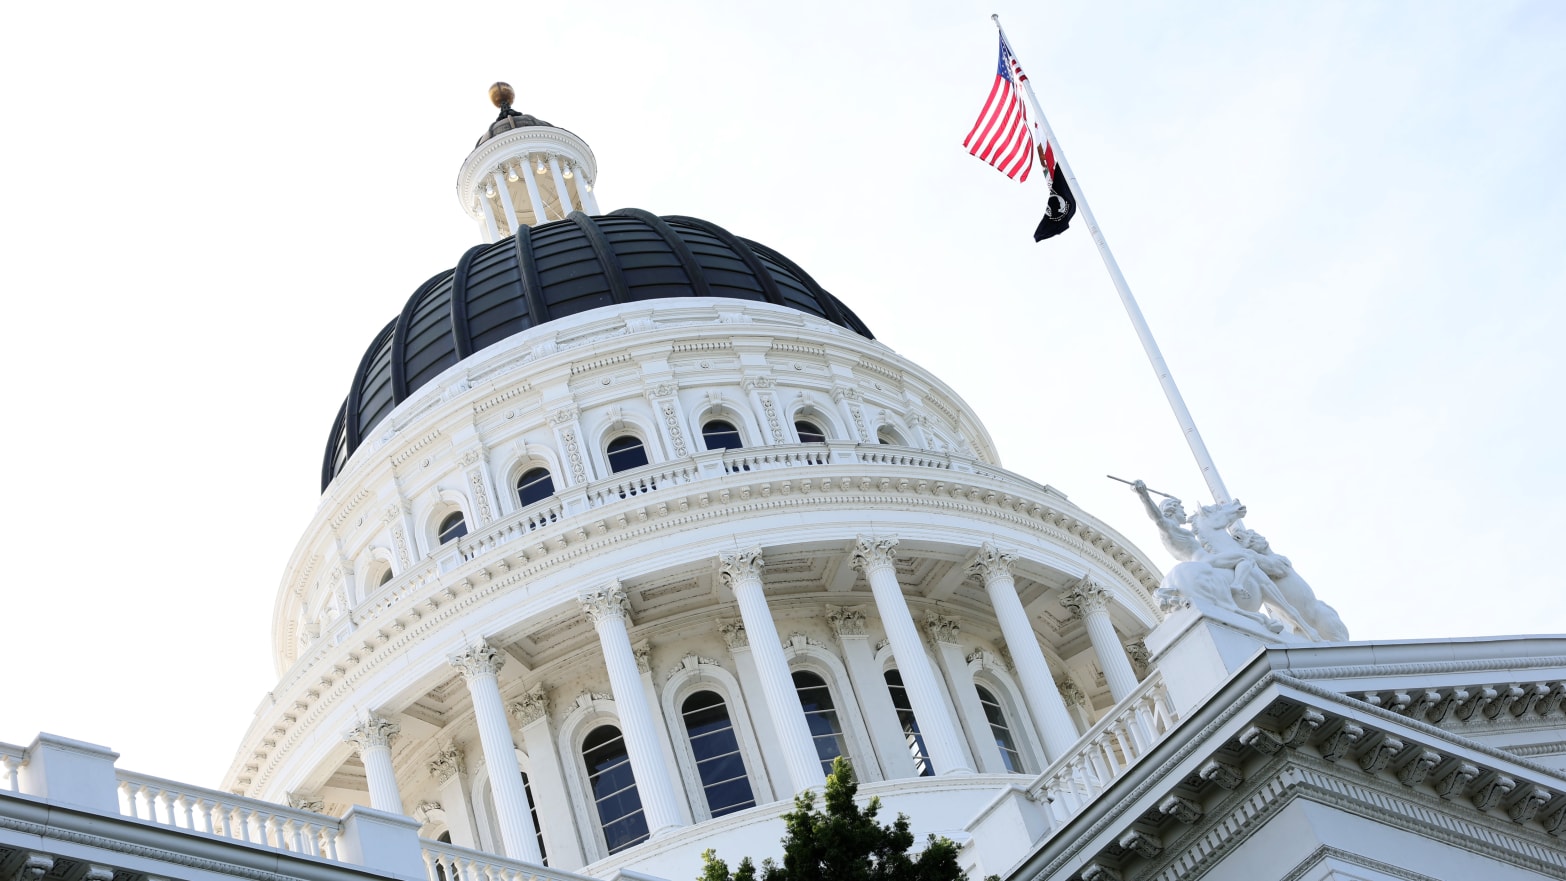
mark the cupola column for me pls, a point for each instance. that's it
(560, 185)
(490, 227)
(742, 573)
(584, 188)
(504, 191)
(1089, 601)
(533, 196)
(874, 556)
(372, 738)
(607, 607)
(1038, 684)
(480, 663)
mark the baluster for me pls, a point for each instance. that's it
(429, 865)
(1141, 725)
(240, 827)
(272, 833)
(1106, 746)
(9, 767)
(211, 816)
(329, 842)
(1128, 752)
(127, 801)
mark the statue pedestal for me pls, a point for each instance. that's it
(1198, 647)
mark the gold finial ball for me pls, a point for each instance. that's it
(501, 95)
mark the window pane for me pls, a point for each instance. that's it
(905, 717)
(821, 716)
(534, 486)
(614, 788)
(716, 749)
(532, 808)
(452, 528)
(626, 452)
(1000, 730)
(720, 435)
(809, 433)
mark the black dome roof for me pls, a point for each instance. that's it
(552, 271)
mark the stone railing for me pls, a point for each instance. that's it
(448, 862)
(1108, 749)
(11, 759)
(210, 812)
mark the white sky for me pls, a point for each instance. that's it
(1345, 221)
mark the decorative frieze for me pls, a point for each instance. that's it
(480, 496)
(608, 601)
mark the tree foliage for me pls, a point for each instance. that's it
(843, 842)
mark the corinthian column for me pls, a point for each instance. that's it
(373, 737)
(1038, 683)
(479, 664)
(1088, 600)
(742, 573)
(874, 556)
(607, 607)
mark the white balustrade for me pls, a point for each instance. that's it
(448, 862)
(1107, 751)
(11, 759)
(221, 814)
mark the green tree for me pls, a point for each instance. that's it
(843, 842)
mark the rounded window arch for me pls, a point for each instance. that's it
(719, 764)
(720, 434)
(886, 434)
(533, 486)
(809, 431)
(1000, 730)
(905, 718)
(826, 729)
(625, 452)
(613, 788)
(452, 527)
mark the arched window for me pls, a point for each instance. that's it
(534, 485)
(532, 808)
(386, 576)
(718, 761)
(821, 716)
(888, 435)
(626, 452)
(809, 432)
(451, 528)
(614, 788)
(905, 718)
(717, 434)
(1000, 730)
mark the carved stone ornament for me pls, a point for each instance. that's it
(1140, 657)
(531, 706)
(874, 553)
(1222, 773)
(373, 732)
(446, 763)
(734, 635)
(642, 651)
(479, 659)
(942, 628)
(1186, 810)
(1084, 597)
(1417, 767)
(34, 867)
(746, 564)
(1070, 692)
(1145, 844)
(846, 621)
(429, 812)
(992, 563)
(305, 801)
(608, 601)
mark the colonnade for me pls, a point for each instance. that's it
(766, 670)
(498, 202)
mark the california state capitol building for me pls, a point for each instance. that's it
(628, 527)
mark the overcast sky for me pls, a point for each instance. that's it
(1345, 221)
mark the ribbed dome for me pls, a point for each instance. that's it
(552, 271)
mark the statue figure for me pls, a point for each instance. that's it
(1181, 543)
(1291, 597)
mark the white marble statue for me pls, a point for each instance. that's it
(1227, 566)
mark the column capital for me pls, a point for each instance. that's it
(1137, 652)
(1070, 692)
(372, 732)
(608, 601)
(478, 659)
(991, 563)
(531, 706)
(446, 763)
(1086, 596)
(941, 628)
(743, 564)
(642, 651)
(875, 552)
(734, 635)
(846, 620)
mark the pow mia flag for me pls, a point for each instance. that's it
(1059, 207)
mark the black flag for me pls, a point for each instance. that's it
(1059, 208)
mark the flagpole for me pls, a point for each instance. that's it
(1166, 379)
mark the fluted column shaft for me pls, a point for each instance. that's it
(1090, 601)
(534, 198)
(875, 558)
(490, 226)
(654, 781)
(373, 737)
(1038, 683)
(584, 188)
(742, 572)
(560, 185)
(480, 664)
(505, 200)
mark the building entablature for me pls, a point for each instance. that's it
(552, 399)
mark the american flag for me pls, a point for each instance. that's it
(1002, 136)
